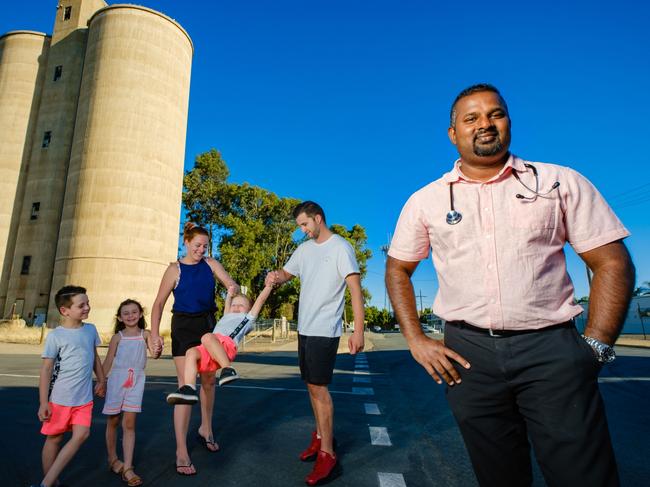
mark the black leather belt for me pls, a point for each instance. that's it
(463, 325)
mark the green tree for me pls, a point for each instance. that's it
(204, 190)
(251, 230)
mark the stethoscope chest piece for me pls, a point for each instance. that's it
(453, 217)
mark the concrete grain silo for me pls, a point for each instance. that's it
(45, 182)
(23, 56)
(121, 212)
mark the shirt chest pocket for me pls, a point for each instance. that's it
(538, 214)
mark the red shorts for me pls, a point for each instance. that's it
(207, 363)
(63, 417)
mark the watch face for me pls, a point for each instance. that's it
(608, 355)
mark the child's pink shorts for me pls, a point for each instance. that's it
(207, 363)
(63, 417)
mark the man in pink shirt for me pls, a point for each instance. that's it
(514, 364)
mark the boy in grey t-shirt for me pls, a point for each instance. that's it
(219, 348)
(65, 385)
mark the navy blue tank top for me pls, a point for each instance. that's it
(194, 291)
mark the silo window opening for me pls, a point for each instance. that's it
(47, 138)
(66, 13)
(35, 209)
(58, 70)
(27, 260)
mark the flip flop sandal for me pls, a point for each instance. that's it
(134, 480)
(207, 442)
(191, 465)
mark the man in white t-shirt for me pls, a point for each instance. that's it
(325, 264)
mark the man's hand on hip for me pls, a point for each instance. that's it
(435, 358)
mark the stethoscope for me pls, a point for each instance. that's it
(453, 216)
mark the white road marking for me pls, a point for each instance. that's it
(362, 380)
(363, 391)
(356, 391)
(391, 479)
(371, 408)
(379, 436)
(623, 379)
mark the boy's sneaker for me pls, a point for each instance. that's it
(228, 374)
(184, 395)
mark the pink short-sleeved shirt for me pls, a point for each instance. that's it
(503, 265)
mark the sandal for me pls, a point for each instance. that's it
(111, 464)
(209, 443)
(191, 465)
(134, 480)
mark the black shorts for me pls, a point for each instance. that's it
(317, 356)
(187, 330)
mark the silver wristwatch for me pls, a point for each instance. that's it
(604, 353)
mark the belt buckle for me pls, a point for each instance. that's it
(495, 333)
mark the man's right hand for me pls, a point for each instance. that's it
(434, 357)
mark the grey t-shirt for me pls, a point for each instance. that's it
(229, 322)
(73, 351)
(322, 269)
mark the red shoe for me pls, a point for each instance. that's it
(312, 450)
(326, 468)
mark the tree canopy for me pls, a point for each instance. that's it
(251, 229)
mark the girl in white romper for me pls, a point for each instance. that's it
(124, 364)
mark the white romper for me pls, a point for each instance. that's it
(126, 379)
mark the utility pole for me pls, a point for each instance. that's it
(421, 307)
(384, 250)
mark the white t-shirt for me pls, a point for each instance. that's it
(230, 321)
(73, 351)
(322, 269)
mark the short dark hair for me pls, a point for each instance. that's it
(309, 208)
(477, 88)
(63, 297)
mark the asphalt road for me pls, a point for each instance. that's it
(263, 421)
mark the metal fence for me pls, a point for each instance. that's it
(271, 331)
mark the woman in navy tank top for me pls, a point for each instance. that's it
(192, 280)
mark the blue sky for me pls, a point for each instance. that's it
(347, 102)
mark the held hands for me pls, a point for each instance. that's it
(44, 412)
(434, 357)
(100, 388)
(271, 279)
(233, 289)
(157, 344)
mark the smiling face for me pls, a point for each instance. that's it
(481, 132)
(130, 315)
(197, 247)
(78, 309)
(310, 226)
(240, 304)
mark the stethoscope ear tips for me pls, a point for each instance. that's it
(453, 217)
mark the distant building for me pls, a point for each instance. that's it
(92, 140)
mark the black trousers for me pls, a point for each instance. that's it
(543, 386)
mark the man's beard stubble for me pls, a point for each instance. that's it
(487, 150)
